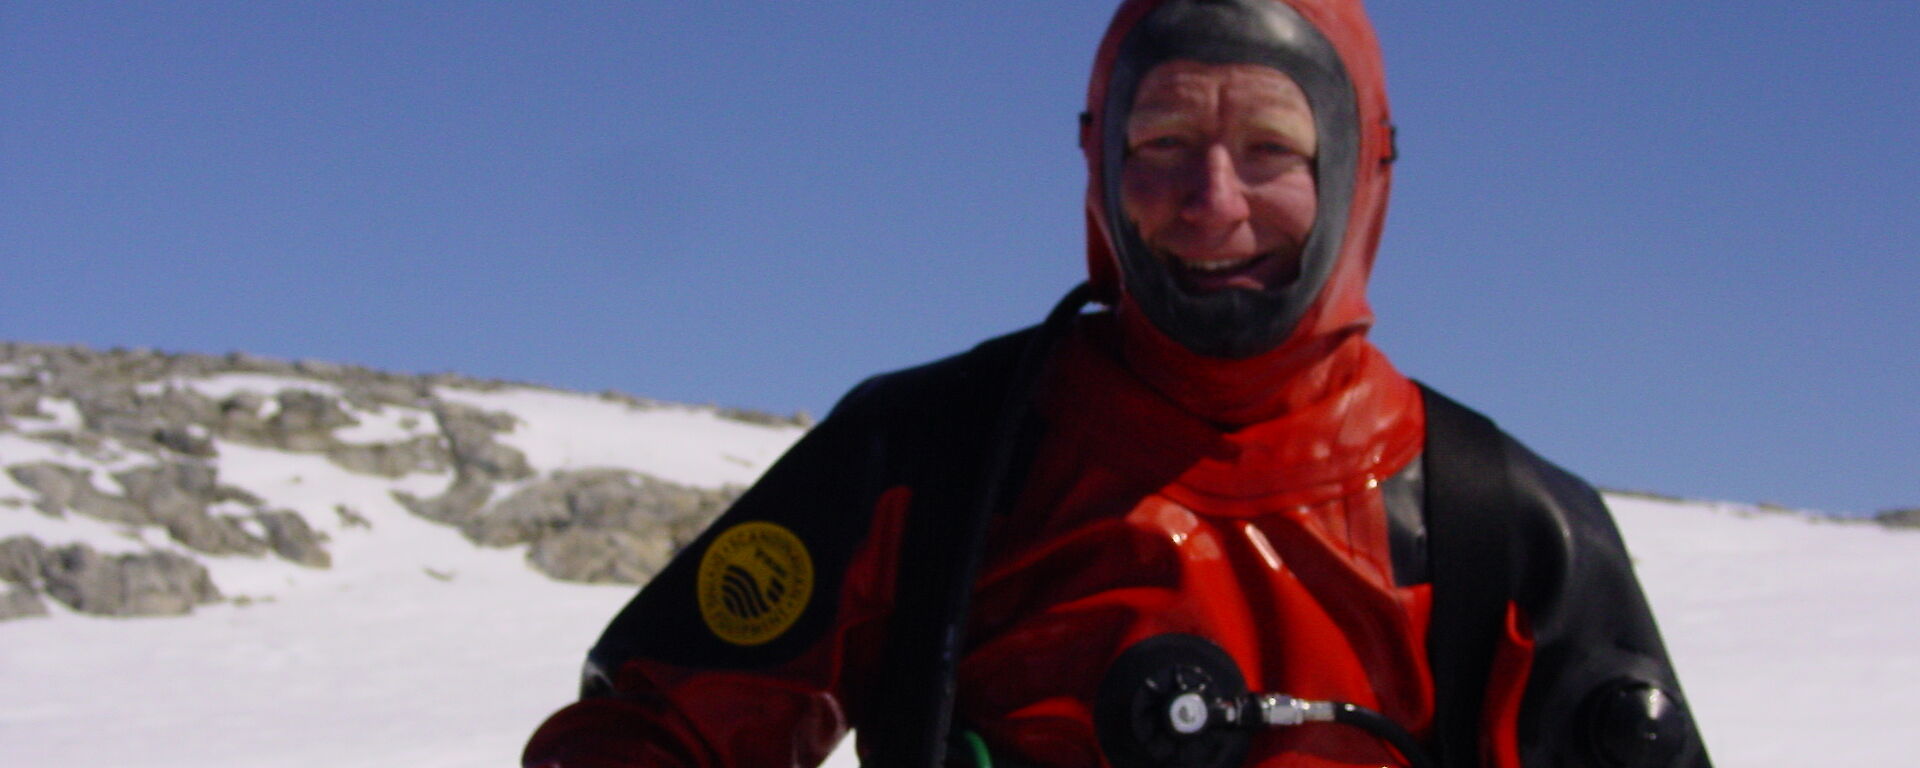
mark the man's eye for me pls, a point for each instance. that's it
(1162, 142)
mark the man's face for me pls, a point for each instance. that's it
(1219, 173)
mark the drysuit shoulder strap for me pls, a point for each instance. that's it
(1469, 509)
(908, 724)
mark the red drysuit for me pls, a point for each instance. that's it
(1267, 501)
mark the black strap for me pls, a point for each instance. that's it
(912, 710)
(1469, 508)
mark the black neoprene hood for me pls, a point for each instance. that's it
(1233, 323)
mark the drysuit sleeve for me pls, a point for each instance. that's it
(1600, 691)
(751, 647)
(759, 645)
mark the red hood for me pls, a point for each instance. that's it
(1315, 356)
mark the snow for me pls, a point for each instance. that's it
(415, 648)
(225, 385)
(1795, 636)
(388, 424)
(57, 414)
(392, 541)
(19, 449)
(690, 446)
(402, 670)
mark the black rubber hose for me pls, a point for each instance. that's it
(1388, 731)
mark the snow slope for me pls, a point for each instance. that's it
(1795, 636)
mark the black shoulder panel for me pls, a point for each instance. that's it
(1601, 692)
(1468, 522)
(1593, 630)
(1404, 496)
(885, 432)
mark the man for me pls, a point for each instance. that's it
(1169, 532)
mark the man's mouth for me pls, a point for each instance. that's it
(1258, 272)
(1222, 265)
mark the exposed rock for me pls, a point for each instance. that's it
(237, 495)
(350, 517)
(320, 369)
(245, 362)
(20, 603)
(57, 485)
(103, 506)
(293, 539)
(683, 530)
(20, 560)
(637, 503)
(530, 513)
(189, 440)
(763, 418)
(213, 534)
(20, 402)
(88, 444)
(112, 409)
(469, 432)
(601, 499)
(238, 418)
(456, 506)
(628, 501)
(63, 488)
(145, 584)
(421, 454)
(305, 420)
(193, 479)
(1908, 517)
(174, 407)
(177, 495)
(637, 403)
(600, 557)
(146, 409)
(368, 393)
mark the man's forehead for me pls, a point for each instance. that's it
(1178, 83)
(1184, 91)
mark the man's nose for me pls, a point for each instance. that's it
(1217, 197)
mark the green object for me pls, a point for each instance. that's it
(978, 746)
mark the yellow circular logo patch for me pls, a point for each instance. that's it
(755, 580)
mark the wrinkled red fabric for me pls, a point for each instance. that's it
(1140, 518)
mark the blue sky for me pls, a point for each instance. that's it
(1670, 245)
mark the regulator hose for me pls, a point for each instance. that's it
(1386, 729)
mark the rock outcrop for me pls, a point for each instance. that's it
(142, 584)
(599, 525)
(145, 433)
(1906, 517)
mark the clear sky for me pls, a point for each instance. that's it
(1670, 245)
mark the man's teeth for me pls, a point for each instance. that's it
(1221, 265)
